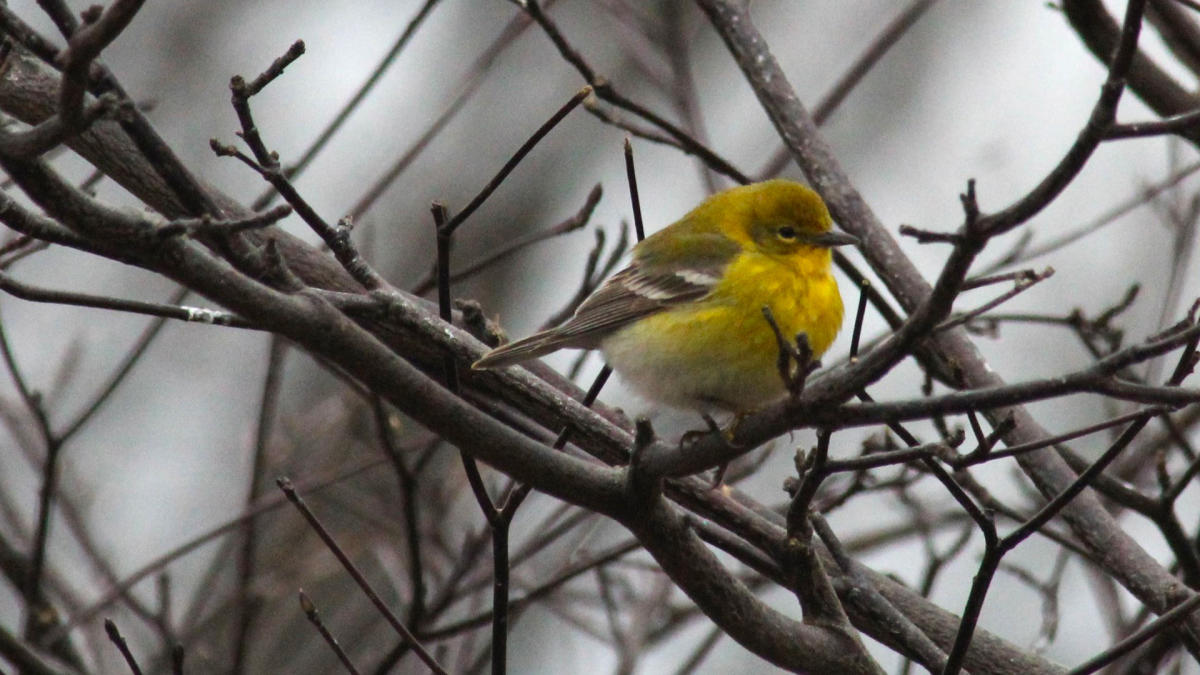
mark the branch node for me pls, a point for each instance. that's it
(278, 266)
(638, 484)
(929, 236)
(92, 14)
(970, 204)
(221, 149)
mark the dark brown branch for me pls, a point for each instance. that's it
(1178, 29)
(1162, 623)
(571, 224)
(314, 617)
(458, 219)
(607, 92)
(1153, 85)
(1022, 284)
(83, 47)
(203, 315)
(117, 639)
(160, 562)
(247, 603)
(119, 374)
(871, 56)
(52, 132)
(273, 71)
(1116, 552)
(1182, 124)
(207, 225)
(729, 603)
(1022, 253)
(996, 549)
(463, 92)
(288, 490)
(19, 653)
(592, 105)
(351, 105)
(867, 598)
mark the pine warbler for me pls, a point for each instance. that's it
(683, 324)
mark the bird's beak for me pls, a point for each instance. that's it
(833, 238)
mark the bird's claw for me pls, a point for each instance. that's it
(725, 435)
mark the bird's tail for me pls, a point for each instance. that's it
(531, 347)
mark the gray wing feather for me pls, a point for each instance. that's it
(627, 296)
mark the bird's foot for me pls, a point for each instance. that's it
(726, 436)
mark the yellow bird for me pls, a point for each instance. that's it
(683, 324)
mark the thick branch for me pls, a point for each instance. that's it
(1115, 550)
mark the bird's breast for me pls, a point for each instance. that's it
(720, 352)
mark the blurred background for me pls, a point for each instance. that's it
(994, 91)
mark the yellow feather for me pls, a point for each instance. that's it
(713, 349)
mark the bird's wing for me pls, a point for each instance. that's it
(631, 294)
(654, 281)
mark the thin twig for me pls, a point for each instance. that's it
(606, 91)
(350, 106)
(450, 226)
(314, 617)
(1163, 622)
(290, 492)
(201, 315)
(1023, 284)
(871, 56)
(117, 639)
(466, 89)
(571, 224)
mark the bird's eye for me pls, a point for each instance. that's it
(787, 233)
